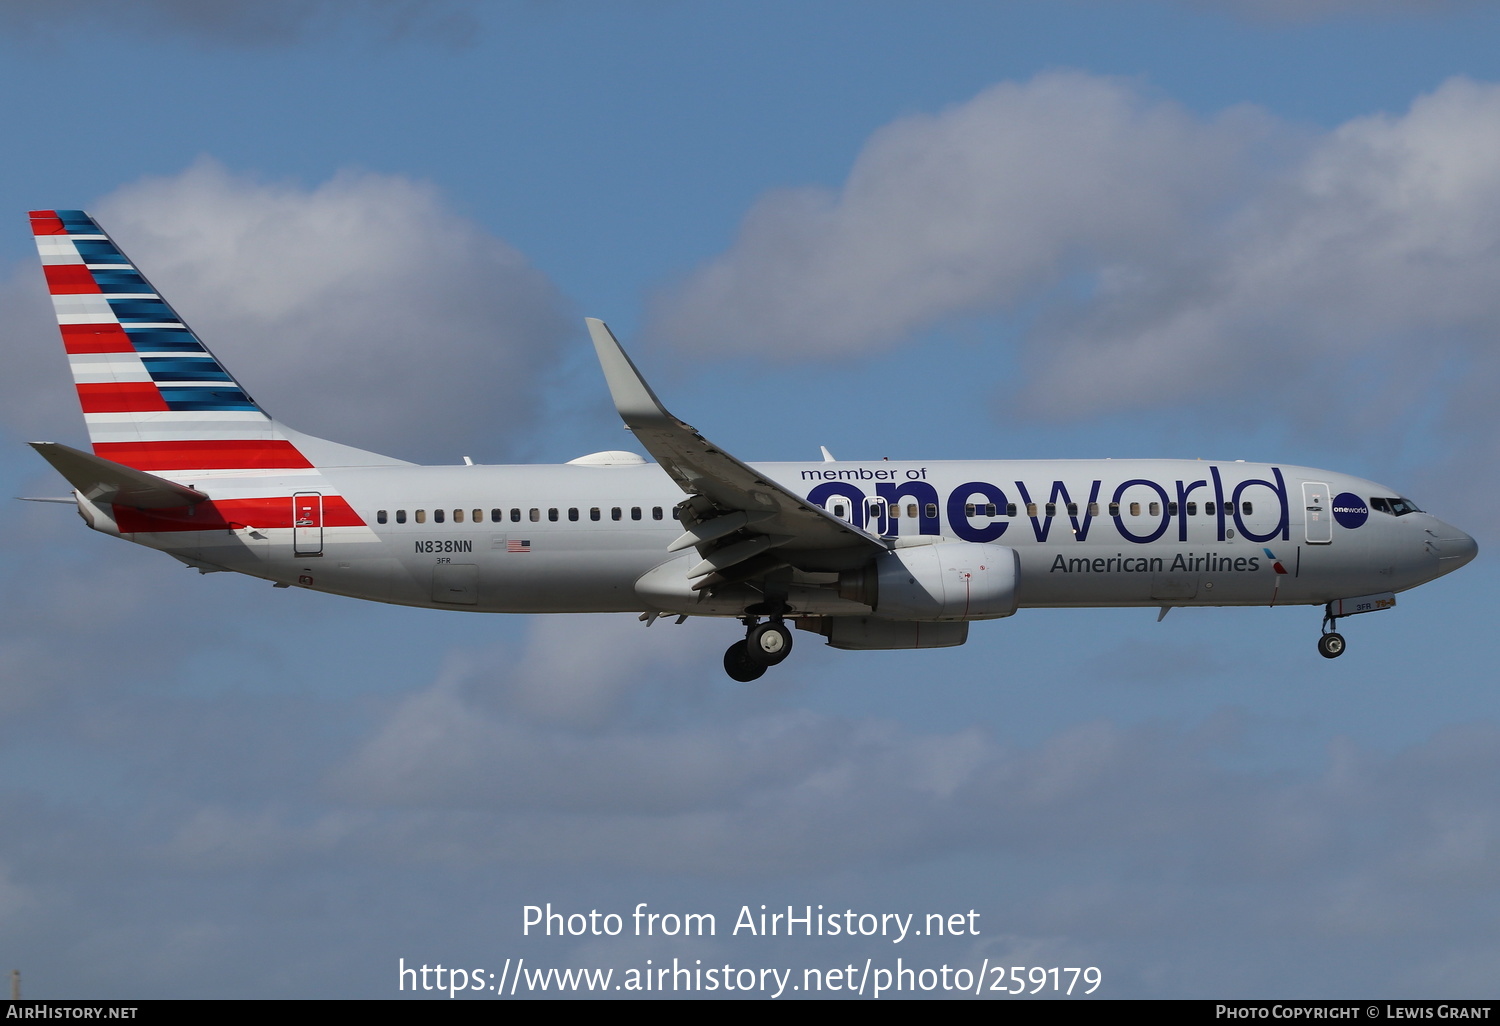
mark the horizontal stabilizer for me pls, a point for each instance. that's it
(105, 481)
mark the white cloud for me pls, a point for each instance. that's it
(1374, 251)
(327, 302)
(974, 208)
(1162, 261)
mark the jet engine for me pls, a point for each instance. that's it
(940, 581)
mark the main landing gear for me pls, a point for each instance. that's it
(1331, 644)
(765, 645)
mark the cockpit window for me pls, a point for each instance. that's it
(1396, 507)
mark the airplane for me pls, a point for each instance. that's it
(869, 554)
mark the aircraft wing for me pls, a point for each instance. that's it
(102, 480)
(744, 525)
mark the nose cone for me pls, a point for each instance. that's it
(1453, 549)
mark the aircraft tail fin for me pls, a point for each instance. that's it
(153, 396)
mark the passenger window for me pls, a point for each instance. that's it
(552, 514)
(635, 512)
(438, 516)
(380, 516)
(400, 516)
(536, 515)
(614, 513)
(675, 515)
(497, 515)
(1245, 508)
(594, 513)
(1072, 509)
(968, 509)
(1093, 509)
(1135, 509)
(1031, 509)
(989, 509)
(839, 510)
(478, 516)
(1192, 509)
(515, 515)
(1052, 509)
(655, 512)
(1155, 509)
(572, 512)
(895, 511)
(458, 516)
(1114, 509)
(1010, 509)
(1171, 509)
(420, 516)
(931, 509)
(911, 510)
(1208, 508)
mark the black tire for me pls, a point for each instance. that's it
(739, 665)
(1331, 645)
(769, 643)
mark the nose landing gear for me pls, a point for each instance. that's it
(765, 645)
(1331, 644)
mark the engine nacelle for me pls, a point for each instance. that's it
(943, 581)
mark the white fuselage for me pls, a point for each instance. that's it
(570, 538)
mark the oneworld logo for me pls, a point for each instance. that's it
(1140, 511)
(1350, 510)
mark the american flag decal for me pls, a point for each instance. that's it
(523, 545)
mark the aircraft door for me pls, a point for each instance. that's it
(1317, 511)
(307, 524)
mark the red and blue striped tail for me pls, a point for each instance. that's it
(153, 396)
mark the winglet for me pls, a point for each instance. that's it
(636, 403)
(702, 469)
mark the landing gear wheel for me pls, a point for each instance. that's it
(769, 643)
(1331, 645)
(739, 665)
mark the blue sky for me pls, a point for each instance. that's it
(1245, 229)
